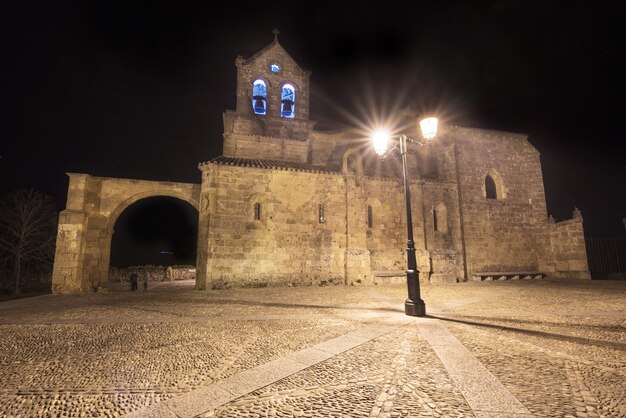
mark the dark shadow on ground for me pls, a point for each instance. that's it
(10, 296)
(561, 337)
(179, 285)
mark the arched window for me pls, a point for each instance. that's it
(288, 101)
(257, 211)
(259, 97)
(352, 162)
(491, 190)
(435, 226)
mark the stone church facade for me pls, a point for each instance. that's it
(290, 205)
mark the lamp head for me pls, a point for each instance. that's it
(429, 127)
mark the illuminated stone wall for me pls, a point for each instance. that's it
(569, 253)
(289, 169)
(443, 244)
(508, 233)
(287, 244)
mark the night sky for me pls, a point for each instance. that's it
(137, 89)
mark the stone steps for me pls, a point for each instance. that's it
(514, 275)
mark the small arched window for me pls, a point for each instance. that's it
(435, 225)
(491, 190)
(288, 101)
(259, 97)
(257, 211)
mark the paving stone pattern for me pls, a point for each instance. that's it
(558, 347)
(563, 378)
(108, 369)
(395, 375)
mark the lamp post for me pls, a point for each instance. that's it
(414, 305)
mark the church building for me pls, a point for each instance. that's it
(286, 204)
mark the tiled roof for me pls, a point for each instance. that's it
(270, 164)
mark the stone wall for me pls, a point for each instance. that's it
(444, 243)
(507, 233)
(569, 253)
(386, 237)
(241, 145)
(327, 149)
(154, 273)
(68, 274)
(68, 258)
(288, 244)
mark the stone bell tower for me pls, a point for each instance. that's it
(272, 116)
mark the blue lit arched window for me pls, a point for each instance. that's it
(259, 97)
(288, 101)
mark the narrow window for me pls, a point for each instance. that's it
(351, 164)
(257, 211)
(259, 97)
(288, 101)
(321, 213)
(370, 218)
(440, 218)
(490, 188)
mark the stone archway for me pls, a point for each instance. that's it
(81, 262)
(154, 232)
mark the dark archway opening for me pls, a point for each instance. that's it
(153, 234)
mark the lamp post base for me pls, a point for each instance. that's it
(415, 308)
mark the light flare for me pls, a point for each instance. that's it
(380, 138)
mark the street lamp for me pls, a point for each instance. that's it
(414, 305)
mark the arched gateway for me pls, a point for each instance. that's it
(81, 262)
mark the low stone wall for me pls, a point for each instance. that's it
(568, 246)
(155, 273)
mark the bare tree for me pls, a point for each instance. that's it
(27, 230)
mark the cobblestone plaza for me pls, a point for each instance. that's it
(486, 349)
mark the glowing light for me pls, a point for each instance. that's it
(274, 68)
(380, 139)
(288, 101)
(429, 127)
(259, 95)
